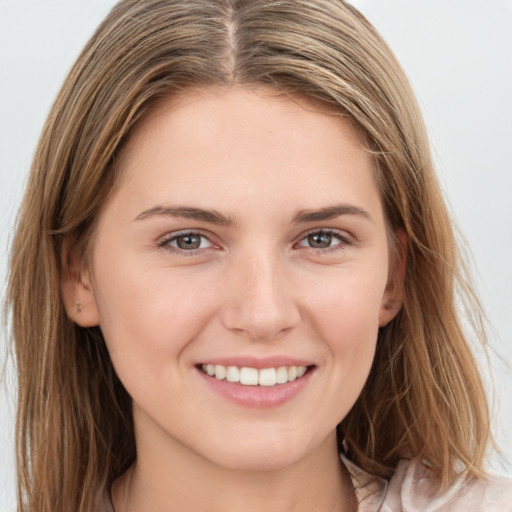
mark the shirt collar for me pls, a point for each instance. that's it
(370, 490)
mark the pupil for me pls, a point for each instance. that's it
(320, 240)
(189, 242)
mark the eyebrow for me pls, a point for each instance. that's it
(188, 212)
(330, 212)
(217, 218)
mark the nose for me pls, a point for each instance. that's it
(261, 303)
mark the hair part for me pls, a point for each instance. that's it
(424, 396)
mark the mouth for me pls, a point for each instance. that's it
(260, 384)
(247, 376)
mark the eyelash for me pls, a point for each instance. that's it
(343, 242)
(166, 243)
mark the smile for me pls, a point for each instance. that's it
(254, 377)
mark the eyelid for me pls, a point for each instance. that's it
(164, 242)
(344, 238)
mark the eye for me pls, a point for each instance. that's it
(187, 242)
(323, 239)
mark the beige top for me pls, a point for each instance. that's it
(413, 489)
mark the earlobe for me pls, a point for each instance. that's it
(394, 294)
(77, 291)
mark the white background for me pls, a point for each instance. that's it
(458, 55)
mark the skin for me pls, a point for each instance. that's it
(254, 288)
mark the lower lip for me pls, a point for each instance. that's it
(257, 397)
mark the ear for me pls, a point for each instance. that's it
(77, 291)
(394, 293)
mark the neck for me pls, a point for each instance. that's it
(178, 479)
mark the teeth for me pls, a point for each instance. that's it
(254, 377)
(249, 376)
(233, 374)
(267, 377)
(220, 372)
(282, 375)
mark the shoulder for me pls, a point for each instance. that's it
(413, 489)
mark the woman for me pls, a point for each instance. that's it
(233, 262)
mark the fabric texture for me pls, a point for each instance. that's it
(413, 489)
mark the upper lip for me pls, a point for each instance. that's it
(257, 362)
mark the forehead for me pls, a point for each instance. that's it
(231, 112)
(216, 143)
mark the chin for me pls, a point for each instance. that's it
(258, 462)
(266, 453)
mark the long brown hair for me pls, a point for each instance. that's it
(424, 396)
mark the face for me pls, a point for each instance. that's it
(239, 274)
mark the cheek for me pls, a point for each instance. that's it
(345, 312)
(349, 301)
(148, 319)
